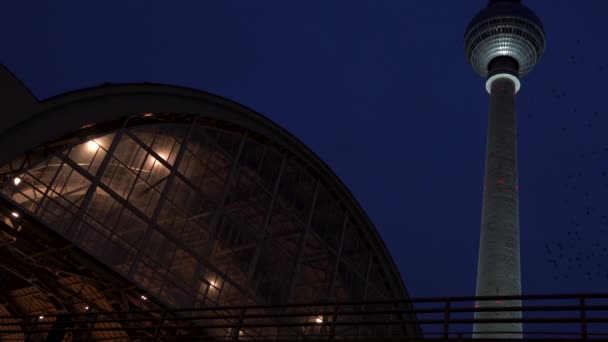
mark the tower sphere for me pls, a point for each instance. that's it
(504, 28)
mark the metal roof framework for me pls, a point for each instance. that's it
(191, 198)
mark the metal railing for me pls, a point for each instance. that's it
(580, 316)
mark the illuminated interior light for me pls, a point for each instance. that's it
(319, 320)
(161, 155)
(86, 307)
(144, 297)
(92, 146)
(40, 317)
(17, 181)
(15, 214)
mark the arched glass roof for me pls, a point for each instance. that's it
(196, 214)
(197, 209)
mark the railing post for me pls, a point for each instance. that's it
(160, 323)
(30, 331)
(446, 319)
(236, 333)
(93, 319)
(393, 316)
(583, 318)
(334, 318)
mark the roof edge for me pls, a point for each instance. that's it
(16, 100)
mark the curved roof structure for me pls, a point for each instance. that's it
(195, 199)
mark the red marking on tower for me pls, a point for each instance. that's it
(498, 302)
(516, 187)
(500, 181)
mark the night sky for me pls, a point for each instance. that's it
(382, 92)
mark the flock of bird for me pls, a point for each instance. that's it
(581, 252)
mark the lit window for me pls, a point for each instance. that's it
(40, 317)
(319, 319)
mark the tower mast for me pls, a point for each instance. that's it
(503, 42)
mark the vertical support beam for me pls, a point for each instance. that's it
(332, 284)
(159, 326)
(218, 216)
(366, 289)
(446, 319)
(302, 246)
(368, 272)
(39, 207)
(262, 235)
(584, 334)
(59, 328)
(236, 331)
(89, 326)
(108, 243)
(334, 319)
(33, 325)
(163, 196)
(76, 222)
(498, 271)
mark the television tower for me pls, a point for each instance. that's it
(503, 42)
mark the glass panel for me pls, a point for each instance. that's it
(203, 224)
(89, 155)
(104, 209)
(186, 198)
(119, 178)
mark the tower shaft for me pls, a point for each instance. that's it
(503, 42)
(498, 270)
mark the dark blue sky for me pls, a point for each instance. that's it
(382, 92)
